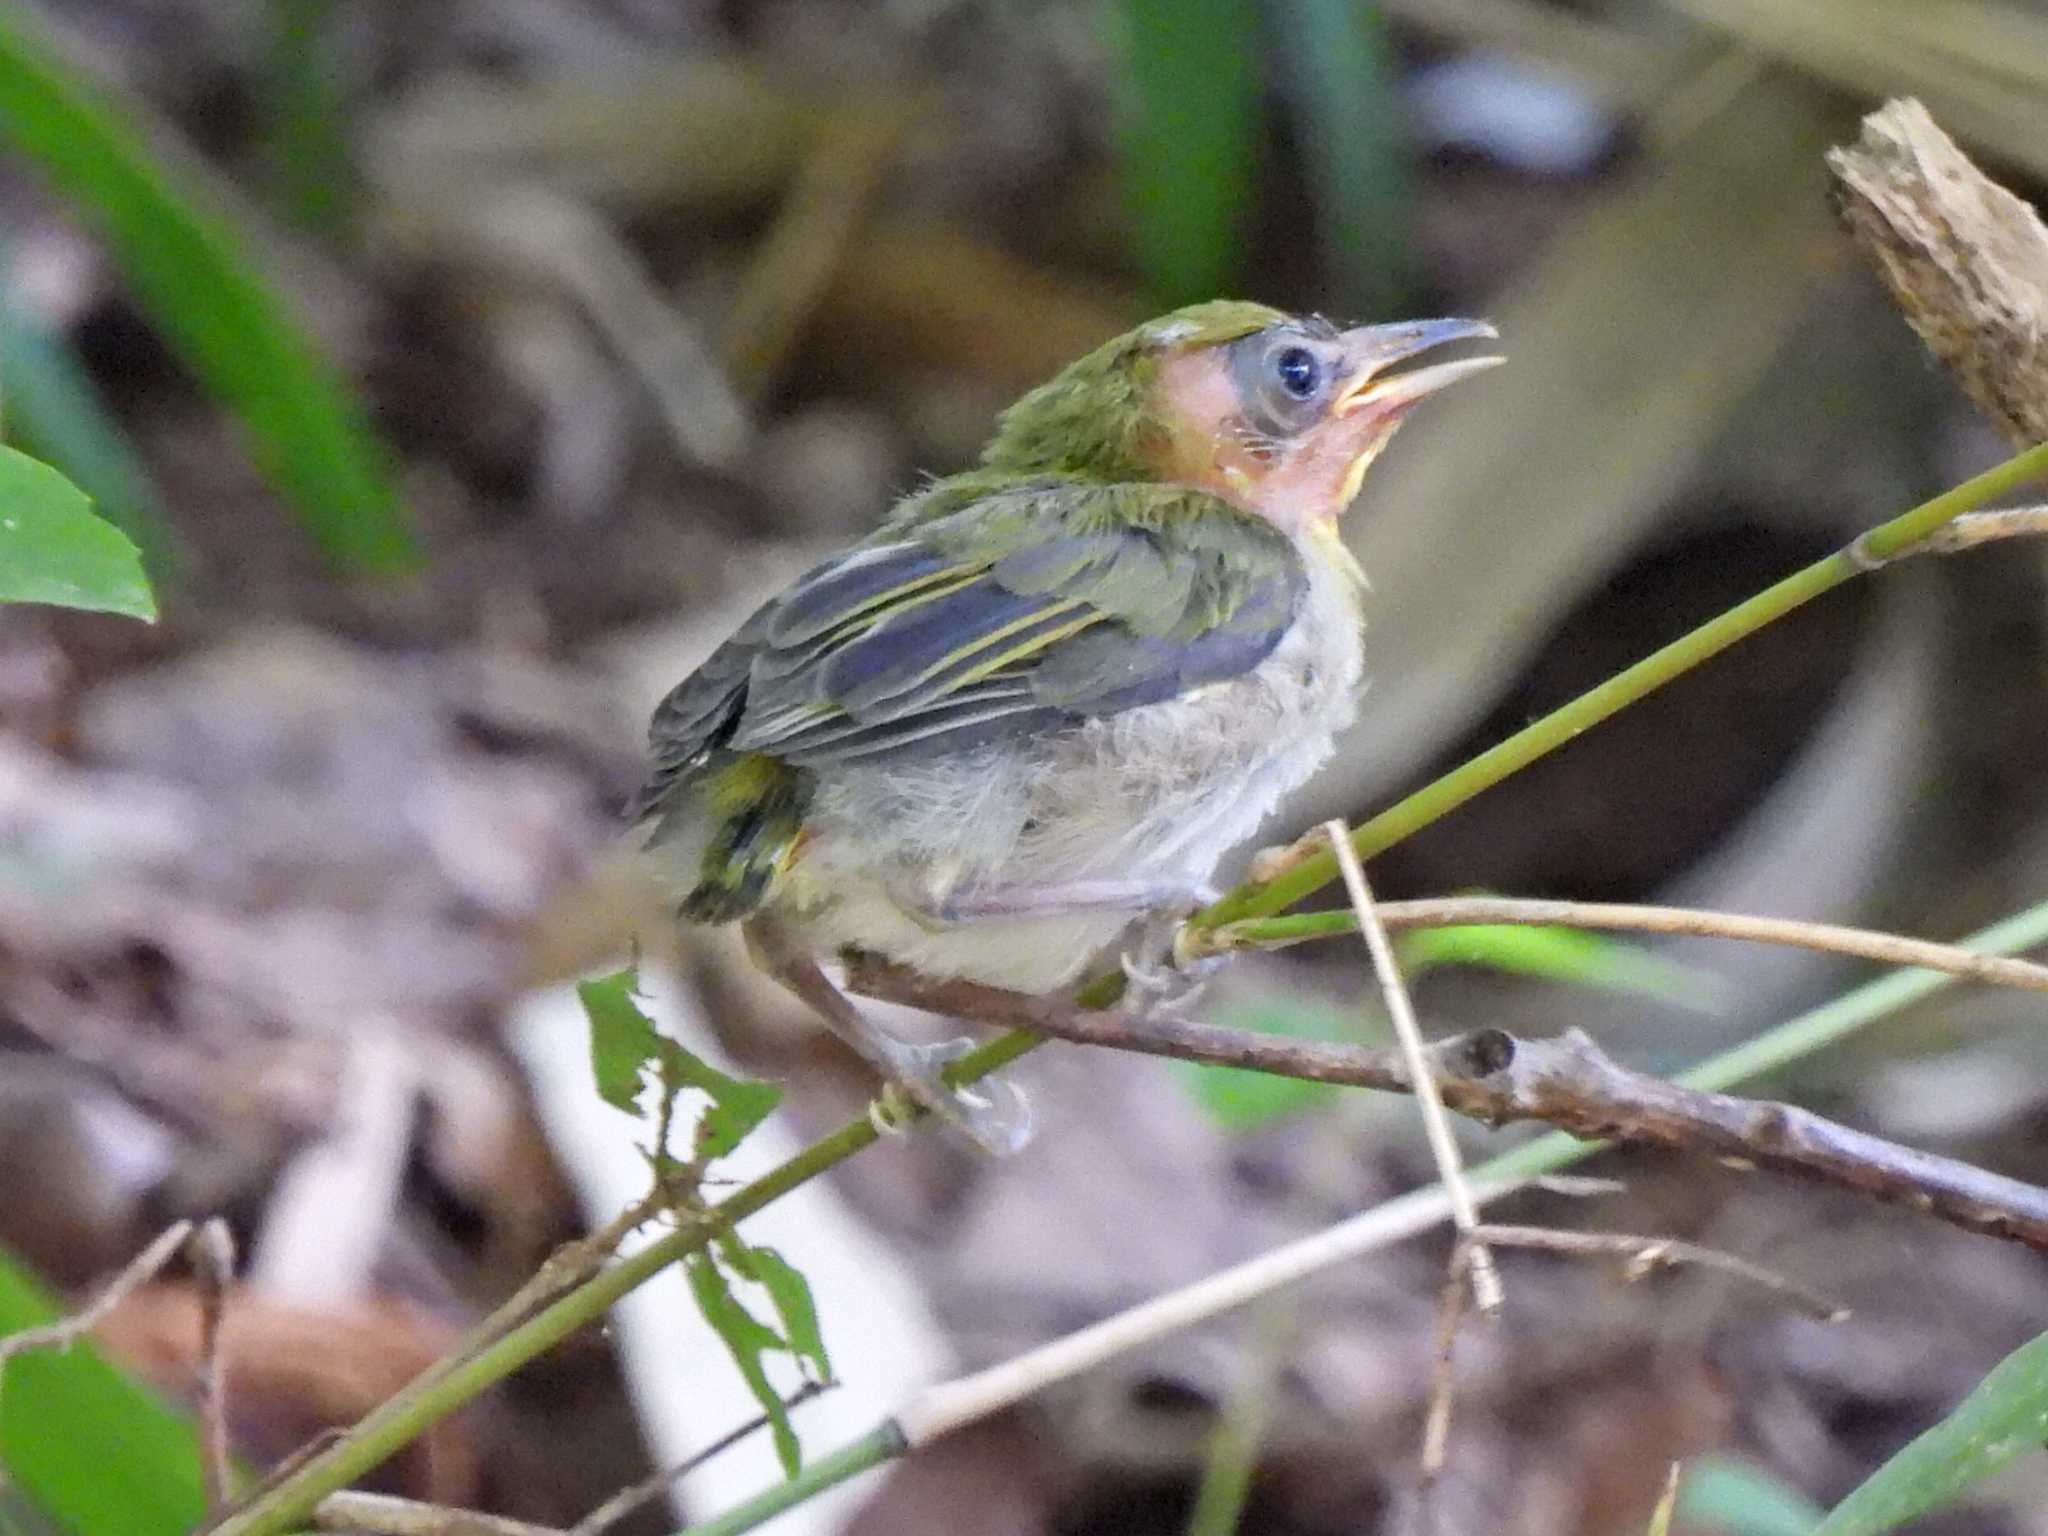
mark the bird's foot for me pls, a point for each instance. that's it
(992, 1112)
(1163, 975)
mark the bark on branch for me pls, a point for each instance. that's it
(1497, 1078)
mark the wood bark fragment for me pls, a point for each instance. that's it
(1966, 260)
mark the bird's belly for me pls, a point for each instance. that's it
(1158, 793)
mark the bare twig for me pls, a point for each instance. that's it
(647, 1490)
(1443, 1146)
(1458, 911)
(1567, 1082)
(67, 1331)
(1966, 261)
(212, 1252)
(1645, 1254)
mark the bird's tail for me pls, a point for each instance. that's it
(755, 807)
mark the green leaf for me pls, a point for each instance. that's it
(623, 1041)
(791, 1293)
(1190, 126)
(92, 1449)
(627, 1053)
(54, 549)
(1240, 1100)
(1565, 954)
(2006, 1417)
(53, 410)
(190, 270)
(1355, 145)
(748, 1338)
(1723, 1494)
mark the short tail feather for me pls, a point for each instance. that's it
(757, 807)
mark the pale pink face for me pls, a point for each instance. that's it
(1285, 422)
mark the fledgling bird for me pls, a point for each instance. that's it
(1048, 695)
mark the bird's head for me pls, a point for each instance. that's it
(1278, 414)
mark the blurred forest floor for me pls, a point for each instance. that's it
(653, 303)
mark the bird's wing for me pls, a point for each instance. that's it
(1021, 609)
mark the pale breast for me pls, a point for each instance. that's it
(1163, 791)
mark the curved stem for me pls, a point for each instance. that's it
(1446, 794)
(1461, 911)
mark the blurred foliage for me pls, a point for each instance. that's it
(1190, 139)
(1347, 115)
(192, 273)
(2000, 1421)
(1726, 1495)
(303, 83)
(1194, 124)
(54, 549)
(89, 1447)
(1566, 954)
(53, 409)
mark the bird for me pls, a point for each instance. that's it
(1036, 707)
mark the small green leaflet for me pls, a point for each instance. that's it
(1565, 954)
(791, 1294)
(748, 1338)
(628, 1055)
(1242, 1100)
(2006, 1417)
(55, 549)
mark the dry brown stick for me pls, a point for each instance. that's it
(67, 1331)
(1645, 1254)
(1567, 1082)
(1436, 1125)
(1966, 261)
(212, 1252)
(1629, 917)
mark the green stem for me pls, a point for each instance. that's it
(1446, 794)
(883, 1443)
(445, 1387)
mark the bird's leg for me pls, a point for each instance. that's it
(992, 1113)
(1065, 897)
(1161, 978)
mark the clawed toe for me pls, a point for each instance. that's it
(992, 1112)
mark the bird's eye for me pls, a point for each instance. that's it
(1298, 371)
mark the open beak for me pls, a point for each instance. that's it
(1370, 351)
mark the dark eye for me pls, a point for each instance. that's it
(1298, 372)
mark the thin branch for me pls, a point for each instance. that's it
(647, 1490)
(1436, 1125)
(1567, 1082)
(1645, 1254)
(1460, 911)
(66, 1331)
(212, 1252)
